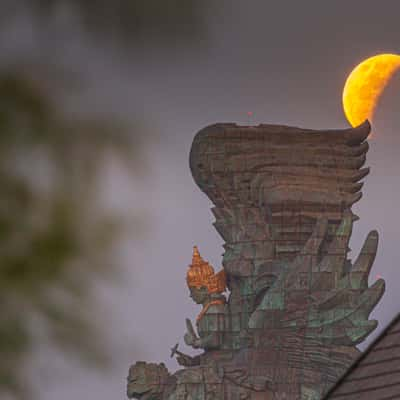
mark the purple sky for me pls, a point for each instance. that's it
(285, 62)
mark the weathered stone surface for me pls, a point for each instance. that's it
(297, 306)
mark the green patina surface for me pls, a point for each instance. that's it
(297, 306)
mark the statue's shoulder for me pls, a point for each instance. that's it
(218, 306)
(215, 309)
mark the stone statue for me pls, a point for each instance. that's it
(206, 288)
(297, 306)
(148, 381)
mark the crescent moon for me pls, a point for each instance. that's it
(365, 85)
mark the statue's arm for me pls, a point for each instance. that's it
(210, 341)
(210, 338)
(206, 341)
(188, 361)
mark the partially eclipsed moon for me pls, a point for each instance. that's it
(365, 84)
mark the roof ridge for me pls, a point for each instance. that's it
(384, 332)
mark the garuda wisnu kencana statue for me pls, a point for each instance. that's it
(282, 319)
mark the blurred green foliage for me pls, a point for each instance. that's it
(54, 236)
(51, 233)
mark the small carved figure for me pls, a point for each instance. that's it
(206, 288)
(149, 381)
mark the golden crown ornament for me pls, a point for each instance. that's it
(201, 274)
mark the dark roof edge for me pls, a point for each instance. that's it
(362, 356)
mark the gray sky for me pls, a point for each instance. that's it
(284, 61)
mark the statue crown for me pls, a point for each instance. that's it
(201, 273)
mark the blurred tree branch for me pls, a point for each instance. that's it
(48, 237)
(55, 237)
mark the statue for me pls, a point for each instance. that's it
(297, 306)
(148, 381)
(206, 288)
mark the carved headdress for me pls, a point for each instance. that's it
(201, 273)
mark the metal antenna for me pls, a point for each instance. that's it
(249, 115)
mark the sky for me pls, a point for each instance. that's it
(286, 62)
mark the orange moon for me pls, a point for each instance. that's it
(365, 85)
